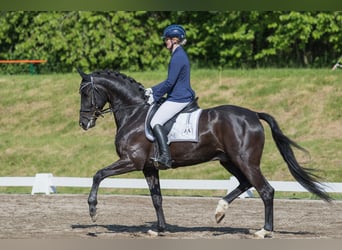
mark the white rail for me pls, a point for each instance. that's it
(47, 183)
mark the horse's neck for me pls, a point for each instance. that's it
(124, 93)
(129, 115)
(118, 95)
(126, 102)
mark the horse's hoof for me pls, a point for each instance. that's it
(261, 234)
(93, 218)
(219, 217)
(152, 233)
(155, 233)
(92, 213)
(221, 210)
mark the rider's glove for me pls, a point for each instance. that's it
(148, 92)
(149, 95)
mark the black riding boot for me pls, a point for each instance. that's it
(164, 160)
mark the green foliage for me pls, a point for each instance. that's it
(304, 38)
(90, 40)
(130, 40)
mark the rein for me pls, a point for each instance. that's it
(103, 111)
(121, 108)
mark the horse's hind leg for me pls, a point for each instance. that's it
(247, 171)
(266, 193)
(152, 178)
(231, 196)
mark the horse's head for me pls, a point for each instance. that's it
(92, 101)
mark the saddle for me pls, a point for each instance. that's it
(191, 107)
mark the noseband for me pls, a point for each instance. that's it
(96, 110)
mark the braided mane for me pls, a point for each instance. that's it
(118, 75)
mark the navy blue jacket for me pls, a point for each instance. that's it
(177, 85)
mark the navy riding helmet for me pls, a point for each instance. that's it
(174, 30)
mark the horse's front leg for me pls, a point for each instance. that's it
(152, 178)
(119, 167)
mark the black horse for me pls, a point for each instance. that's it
(230, 134)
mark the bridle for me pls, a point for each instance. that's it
(95, 110)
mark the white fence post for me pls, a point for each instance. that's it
(43, 184)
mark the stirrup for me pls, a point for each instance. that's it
(161, 165)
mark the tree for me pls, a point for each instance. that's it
(131, 40)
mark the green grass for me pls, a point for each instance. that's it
(40, 133)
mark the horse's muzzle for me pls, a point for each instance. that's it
(87, 124)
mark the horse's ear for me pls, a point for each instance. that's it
(83, 75)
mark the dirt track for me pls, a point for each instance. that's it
(125, 217)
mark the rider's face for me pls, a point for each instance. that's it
(168, 42)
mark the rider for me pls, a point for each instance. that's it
(176, 86)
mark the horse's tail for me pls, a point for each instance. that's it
(303, 175)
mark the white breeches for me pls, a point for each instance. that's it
(166, 111)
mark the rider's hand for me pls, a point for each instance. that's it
(150, 99)
(148, 92)
(149, 95)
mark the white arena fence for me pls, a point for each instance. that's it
(46, 183)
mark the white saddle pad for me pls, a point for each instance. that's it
(184, 129)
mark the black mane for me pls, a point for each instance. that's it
(118, 75)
